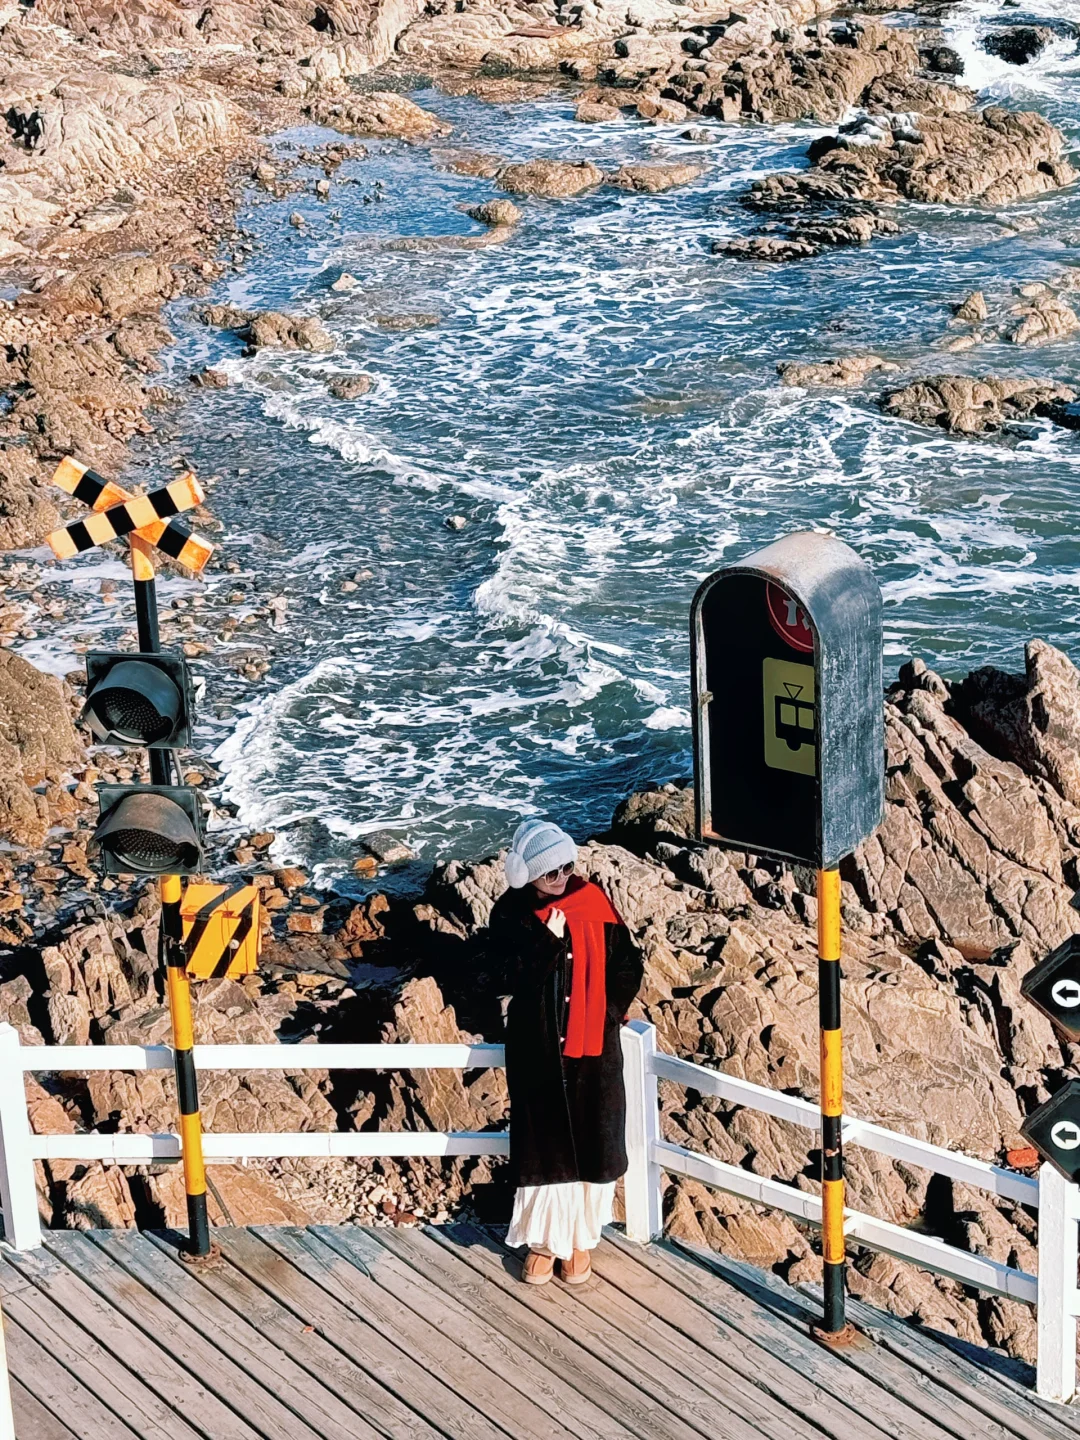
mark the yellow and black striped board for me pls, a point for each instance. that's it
(118, 513)
(221, 930)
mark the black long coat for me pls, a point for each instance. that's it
(567, 1117)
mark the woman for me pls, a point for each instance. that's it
(572, 971)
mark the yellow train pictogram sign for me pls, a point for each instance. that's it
(221, 930)
(118, 513)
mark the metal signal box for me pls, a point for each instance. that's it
(789, 743)
(222, 930)
(1054, 1130)
(1053, 986)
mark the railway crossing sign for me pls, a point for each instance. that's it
(221, 930)
(118, 513)
(789, 746)
(1053, 986)
(1054, 1130)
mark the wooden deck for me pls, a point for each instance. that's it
(353, 1334)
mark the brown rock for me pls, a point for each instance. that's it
(1049, 318)
(968, 406)
(495, 212)
(551, 179)
(37, 742)
(380, 112)
(652, 179)
(851, 370)
(972, 309)
(350, 387)
(589, 112)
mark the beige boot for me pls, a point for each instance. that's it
(538, 1269)
(578, 1268)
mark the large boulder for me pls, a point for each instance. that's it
(966, 405)
(550, 179)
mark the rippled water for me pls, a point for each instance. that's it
(599, 401)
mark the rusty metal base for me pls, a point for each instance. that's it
(197, 1261)
(845, 1339)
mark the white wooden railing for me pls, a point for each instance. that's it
(1054, 1291)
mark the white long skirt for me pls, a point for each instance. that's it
(559, 1219)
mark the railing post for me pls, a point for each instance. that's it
(1058, 1243)
(644, 1220)
(18, 1191)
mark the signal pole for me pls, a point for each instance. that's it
(832, 1105)
(171, 944)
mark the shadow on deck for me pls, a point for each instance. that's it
(353, 1334)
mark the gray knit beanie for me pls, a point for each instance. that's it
(537, 847)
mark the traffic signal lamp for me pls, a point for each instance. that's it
(141, 699)
(149, 830)
(1053, 986)
(1054, 1130)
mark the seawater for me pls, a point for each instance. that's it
(599, 401)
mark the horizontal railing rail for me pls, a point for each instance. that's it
(1053, 1290)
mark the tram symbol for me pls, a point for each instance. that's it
(790, 716)
(794, 717)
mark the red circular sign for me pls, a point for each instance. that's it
(788, 619)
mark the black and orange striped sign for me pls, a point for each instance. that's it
(221, 930)
(119, 514)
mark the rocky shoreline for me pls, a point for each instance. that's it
(131, 131)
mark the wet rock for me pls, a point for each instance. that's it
(495, 212)
(380, 113)
(473, 163)
(551, 179)
(1049, 318)
(209, 379)
(972, 309)
(419, 320)
(286, 332)
(388, 849)
(652, 179)
(344, 282)
(1017, 44)
(965, 405)
(942, 59)
(590, 113)
(350, 387)
(851, 370)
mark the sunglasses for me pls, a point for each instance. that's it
(567, 869)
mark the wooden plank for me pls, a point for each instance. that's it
(497, 1349)
(447, 1264)
(216, 1395)
(86, 1359)
(922, 1392)
(159, 1269)
(683, 1355)
(32, 1420)
(287, 1281)
(995, 1394)
(688, 1407)
(58, 1392)
(441, 1346)
(779, 1321)
(278, 1327)
(743, 1359)
(616, 1410)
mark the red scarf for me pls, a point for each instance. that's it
(587, 910)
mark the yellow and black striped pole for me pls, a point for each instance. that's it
(832, 1103)
(187, 1085)
(172, 942)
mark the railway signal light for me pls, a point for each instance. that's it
(149, 830)
(142, 699)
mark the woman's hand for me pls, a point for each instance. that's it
(556, 923)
